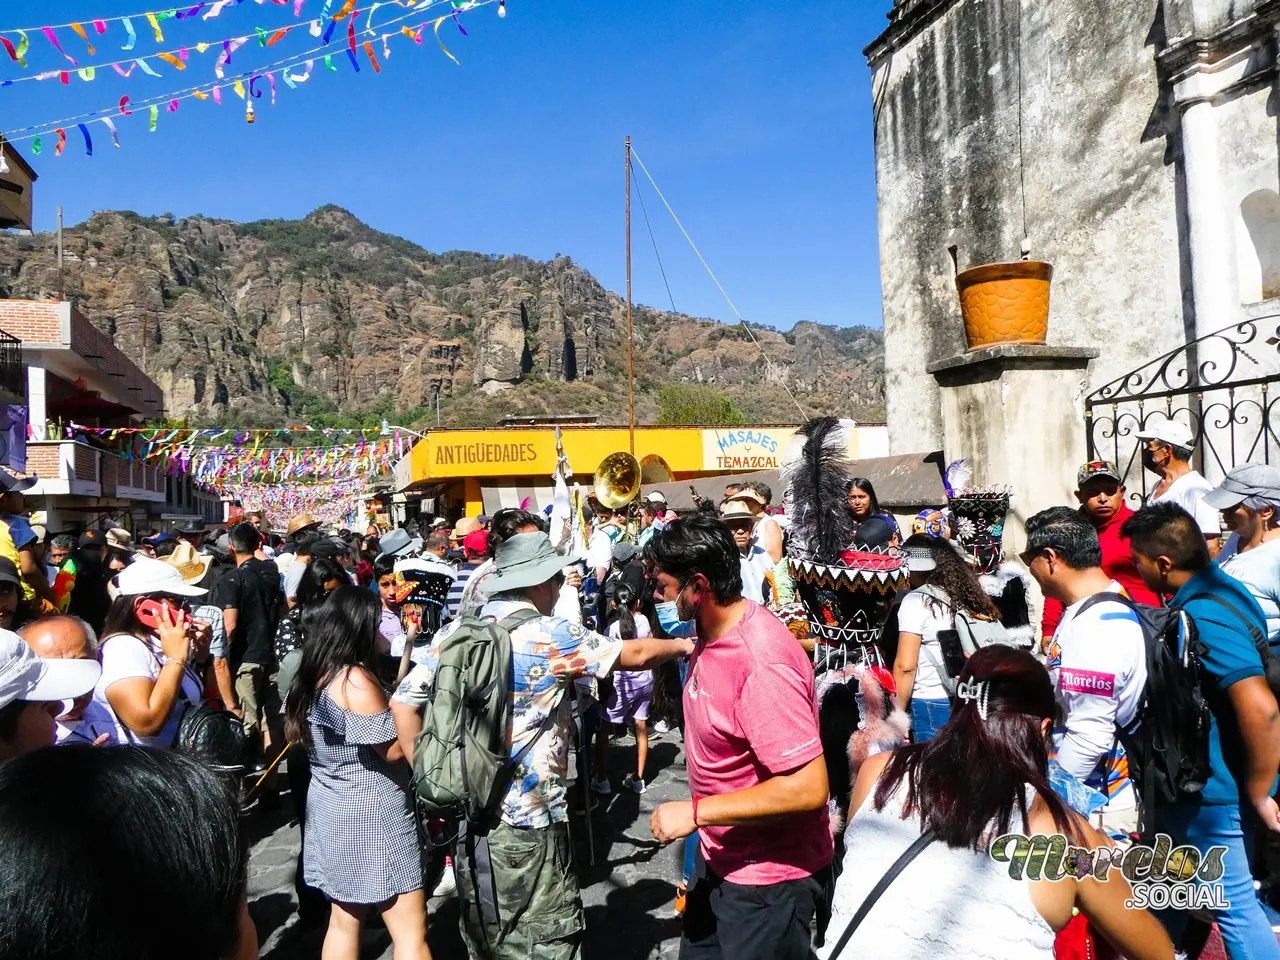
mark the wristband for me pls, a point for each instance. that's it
(695, 811)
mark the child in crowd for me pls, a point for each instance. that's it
(631, 694)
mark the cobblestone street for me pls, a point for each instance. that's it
(629, 893)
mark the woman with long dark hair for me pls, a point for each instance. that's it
(984, 775)
(943, 588)
(361, 845)
(863, 505)
(136, 853)
(320, 578)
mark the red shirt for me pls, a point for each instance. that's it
(751, 714)
(1117, 563)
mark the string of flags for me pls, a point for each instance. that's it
(178, 57)
(326, 502)
(248, 86)
(242, 457)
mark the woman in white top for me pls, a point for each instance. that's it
(1249, 498)
(147, 640)
(942, 584)
(985, 775)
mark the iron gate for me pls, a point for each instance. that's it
(1223, 385)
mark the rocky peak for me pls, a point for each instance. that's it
(280, 320)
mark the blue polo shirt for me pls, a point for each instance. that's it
(1229, 657)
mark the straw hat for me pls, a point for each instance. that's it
(120, 539)
(465, 526)
(303, 521)
(191, 565)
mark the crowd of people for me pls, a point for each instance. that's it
(338, 655)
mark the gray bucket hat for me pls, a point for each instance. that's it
(1251, 480)
(398, 543)
(525, 560)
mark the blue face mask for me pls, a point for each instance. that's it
(669, 617)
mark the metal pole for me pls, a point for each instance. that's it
(437, 406)
(61, 288)
(631, 373)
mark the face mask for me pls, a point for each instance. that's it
(1149, 460)
(669, 619)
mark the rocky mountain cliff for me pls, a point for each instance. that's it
(325, 319)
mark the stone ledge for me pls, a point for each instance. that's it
(1015, 355)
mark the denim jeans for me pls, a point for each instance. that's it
(1245, 929)
(692, 841)
(927, 716)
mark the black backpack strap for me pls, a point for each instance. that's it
(1260, 639)
(1104, 597)
(878, 890)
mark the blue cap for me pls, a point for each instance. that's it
(160, 538)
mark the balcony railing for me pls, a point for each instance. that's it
(12, 374)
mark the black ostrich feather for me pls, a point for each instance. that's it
(817, 479)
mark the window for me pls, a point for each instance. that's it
(1258, 246)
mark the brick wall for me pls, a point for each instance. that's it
(42, 460)
(32, 321)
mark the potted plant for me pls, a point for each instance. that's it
(1005, 302)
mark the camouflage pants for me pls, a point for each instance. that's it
(519, 895)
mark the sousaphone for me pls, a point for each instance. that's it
(617, 480)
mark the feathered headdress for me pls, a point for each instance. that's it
(816, 473)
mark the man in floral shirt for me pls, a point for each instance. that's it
(529, 852)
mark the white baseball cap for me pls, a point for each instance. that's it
(656, 497)
(25, 676)
(1173, 432)
(147, 576)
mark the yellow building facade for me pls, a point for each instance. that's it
(481, 471)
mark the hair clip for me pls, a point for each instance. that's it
(976, 690)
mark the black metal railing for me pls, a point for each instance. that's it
(12, 374)
(1224, 385)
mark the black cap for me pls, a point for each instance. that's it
(191, 525)
(330, 547)
(9, 572)
(93, 538)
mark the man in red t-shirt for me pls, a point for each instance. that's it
(753, 753)
(1100, 490)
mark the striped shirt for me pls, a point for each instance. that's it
(465, 570)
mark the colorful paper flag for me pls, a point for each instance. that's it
(53, 39)
(79, 30)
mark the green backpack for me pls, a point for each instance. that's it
(462, 763)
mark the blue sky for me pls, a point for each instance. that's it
(753, 117)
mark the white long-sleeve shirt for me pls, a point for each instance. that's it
(1099, 685)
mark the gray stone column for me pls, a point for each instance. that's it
(1014, 412)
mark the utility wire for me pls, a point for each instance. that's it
(654, 241)
(185, 93)
(711, 273)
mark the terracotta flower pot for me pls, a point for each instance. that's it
(1005, 302)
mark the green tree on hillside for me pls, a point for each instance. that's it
(697, 405)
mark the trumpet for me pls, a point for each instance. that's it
(617, 480)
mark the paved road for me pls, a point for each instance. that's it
(629, 894)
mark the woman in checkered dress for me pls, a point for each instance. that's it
(361, 842)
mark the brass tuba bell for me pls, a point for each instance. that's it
(617, 480)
